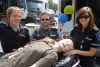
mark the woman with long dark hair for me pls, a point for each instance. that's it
(84, 37)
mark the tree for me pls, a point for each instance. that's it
(52, 5)
(55, 6)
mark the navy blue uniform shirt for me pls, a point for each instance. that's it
(10, 39)
(42, 33)
(84, 41)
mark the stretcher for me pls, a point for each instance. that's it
(69, 61)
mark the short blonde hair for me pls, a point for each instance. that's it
(11, 9)
(45, 13)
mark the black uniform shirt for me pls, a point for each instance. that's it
(84, 41)
(42, 33)
(12, 40)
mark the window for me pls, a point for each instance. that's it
(1, 6)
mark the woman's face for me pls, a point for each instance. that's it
(45, 20)
(84, 19)
(15, 18)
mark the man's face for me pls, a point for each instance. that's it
(15, 18)
(45, 20)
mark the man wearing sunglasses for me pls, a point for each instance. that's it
(45, 28)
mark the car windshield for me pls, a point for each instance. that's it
(22, 4)
(35, 5)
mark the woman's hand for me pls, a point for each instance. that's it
(70, 52)
(91, 52)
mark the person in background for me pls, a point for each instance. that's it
(12, 34)
(40, 53)
(45, 28)
(84, 38)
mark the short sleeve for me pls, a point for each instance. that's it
(95, 41)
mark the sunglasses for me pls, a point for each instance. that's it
(85, 17)
(45, 19)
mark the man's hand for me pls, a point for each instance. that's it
(48, 40)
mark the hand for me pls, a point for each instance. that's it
(21, 48)
(48, 40)
(70, 52)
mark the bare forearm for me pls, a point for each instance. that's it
(87, 53)
(91, 52)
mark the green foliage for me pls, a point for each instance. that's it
(52, 5)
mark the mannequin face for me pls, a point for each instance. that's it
(66, 44)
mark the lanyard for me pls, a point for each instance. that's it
(47, 33)
(81, 46)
